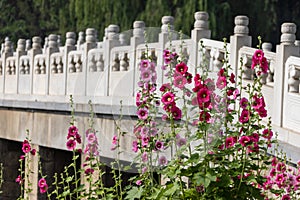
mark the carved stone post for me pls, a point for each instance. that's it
(201, 30)
(285, 49)
(239, 39)
(19, 52)
(112, 41)
(80, 40)
(36, 49)
(7, 52)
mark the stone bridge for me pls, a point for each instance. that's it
(36, 82)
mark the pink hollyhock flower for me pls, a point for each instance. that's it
(203, 95)
(176, 113)
(286, 197)
(71, 144)
(164, 117)
(72, 131)
(244, 140)
(159, 145)
(138, 182)
(236, 93)
(26, 148)
(272, 172)
(33, 152)
(162, 160)
(244, 103)
(274, 161)
(181, 68)
(257, 56)
(138, 99)
(297, 179)
(91, 138)
(144, 170)
(165, 87)
(145, 141)
(179, 82)
(19, 180)
(258, 102)
(168, 98)
(144, 65)
(169, 107)
(89, 171)
(255, 137)
(232, 78)
(188, 77)
(279, 179)
(135, 146)
(142, 114)
(22, 157)
(144, 157)
(115, 140)
(267, 133)
(264, 65)
(281, 167)
(146, 75)
(78, 138)
(180, 142)
(262, 112)
(204, 116)
(244, 116)
(229, 142)
(221, 82)
(153, 131)
(43, 185)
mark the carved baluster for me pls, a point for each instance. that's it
(124, 63)
(116, 63)
(53, 66)
(71, 64)
(59, 66)
(100, 63)
(247, 71)
(218, 57)
(78, 64)
(153, 56)
(92, 63)
(27, 66)
(0, 67)
(293, 80)
(42, 66)
(37, 67)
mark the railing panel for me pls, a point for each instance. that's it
(11, 76)
(75, 76)
(25, 77)
(57, 75)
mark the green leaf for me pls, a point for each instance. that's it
(134, 193)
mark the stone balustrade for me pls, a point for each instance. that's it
(42, 74)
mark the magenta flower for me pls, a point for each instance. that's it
(244, 103)
(144, 157)
(162, 160)
(267, 133)
(257, 56)
(181, 141)
(159, 145)
(71, 144)
(244, 116)
(286, 197)
(281, 167)
(168, 98)
(181, 68)
(145, 141)
(43, 185)
(244, 140)
(142, 114)
(203, 95)
(135, 146)
(204, 116)
(89, 171)
(138, 182)
(279, 179)
(176, 113)
(165, 87)
(146, 75)
(91, 138)
(72, 131)
(232, 78)
(229, 142)
(144, 65)
(255, 137)
(179, 82)
(33, 152)
(264, 65)
(221, 82)
(26, 148)
(19, 180)
(115, 140)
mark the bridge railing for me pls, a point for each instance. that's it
(107, 71)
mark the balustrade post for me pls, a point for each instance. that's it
(80, 40)
(34, 50)
(112, 41)
(6, 70)
(167, 34)
(137, 38)
(20, 51)
(285, 49)
(201, 30)
(239, 39)
(69, 46)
